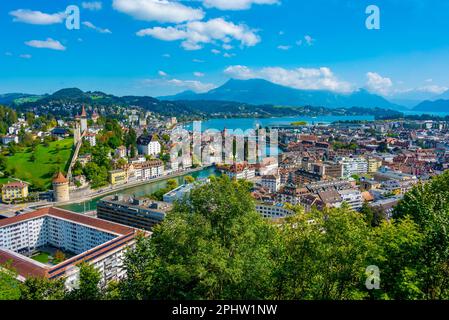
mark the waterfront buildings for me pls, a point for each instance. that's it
(139, 213)
(16, 190)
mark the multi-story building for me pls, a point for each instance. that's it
(82, 238)
(148, 145)
(374, 164)
(134, 212)
(118, 176)
(92, 138)
(274, 212)
(10, 138)
(239, 171)
(14, 191)
(354, 166)
(352, 197)
(271, 182)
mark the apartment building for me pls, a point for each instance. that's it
(97, 242)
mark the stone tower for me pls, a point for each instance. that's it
(83, 120)
(60, 188)
(76, 133)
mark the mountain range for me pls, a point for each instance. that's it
(255, 96)
(258, 91)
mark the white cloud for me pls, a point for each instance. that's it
(158, 10)
(284, 47)
(166, 55)
(309, 40)
(25, 56)
(46, 44)
(90, 25)
(378, 84)
(236, 4)
(228, 55)
(37, 17)
(162, 73)
(227, 46)
(198, 74)
(194, 34)
(215, 51)
(193, 85)
(298, 78)
(198, 61)
(435, 89)
(93, 6)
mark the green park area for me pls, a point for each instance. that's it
(39, 166)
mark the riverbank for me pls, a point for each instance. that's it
(143, 188)
(121, 187)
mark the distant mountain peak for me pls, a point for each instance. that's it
(260, 91)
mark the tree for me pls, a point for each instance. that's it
(214, 246)
(37, 288)
(172, 184)
(59, 256)
(9, 285)
(89, 284)
(321, 255)
(189, 179)
(428, 206)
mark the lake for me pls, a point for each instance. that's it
(250, 123)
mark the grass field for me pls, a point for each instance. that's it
(47, 160)
(42, 257)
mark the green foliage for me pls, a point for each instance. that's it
(43, 289)
(9, 285)
(213, 247)
(89, 284)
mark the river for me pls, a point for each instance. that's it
(139, 191)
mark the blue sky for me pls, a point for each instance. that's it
(159, 47)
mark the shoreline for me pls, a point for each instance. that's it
(127, 186)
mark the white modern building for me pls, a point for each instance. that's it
(84, 239)
(271, 182)
(148, 145)
(352, 197)
(352, 166)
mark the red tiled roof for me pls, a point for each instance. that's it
(15, 184)
(27, 268)
(60, 178)
(68, 215)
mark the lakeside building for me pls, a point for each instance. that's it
(135, 212)
(86, 239)
(239, 171)
(14, 191)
